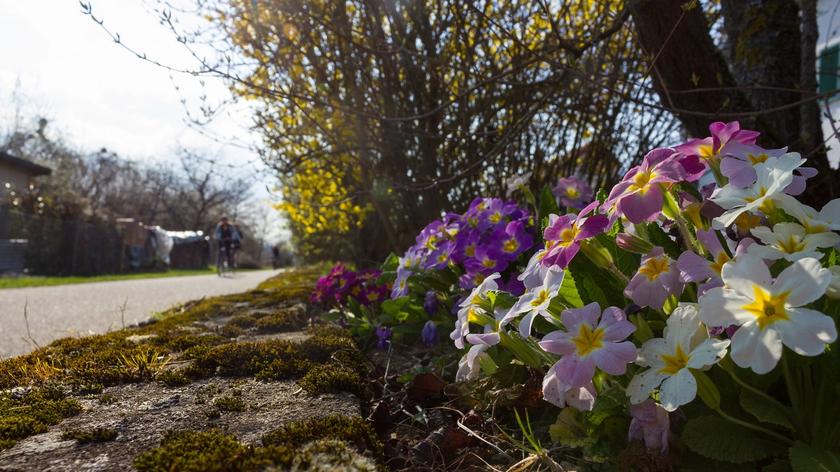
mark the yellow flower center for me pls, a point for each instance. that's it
(568, 235)
(814, 228)
(792, 244)
(488, 263)
(372, 296)
(472, 315)
(757, 159)
(745, 222)
(511, 245)
(641, 181)
(441, 258)
(495, 217)
(572, 192)
(541, 298)
(767, 308)
(720, 260)
(767, 206)
(654, 267)
(470, 250)
(673, 362)
(588, 339)
(706, 151)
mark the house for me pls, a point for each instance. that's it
(16, 175)
(828, 55)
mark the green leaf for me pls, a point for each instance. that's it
(805, 458)
(718, 439)
(569, 291)
(764, 410)
(568, 429)
(548, 204)
(659, 238)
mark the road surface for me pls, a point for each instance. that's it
(80, 309)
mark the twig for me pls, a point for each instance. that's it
(122, 312)
(26, 322)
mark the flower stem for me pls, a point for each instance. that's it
(728, 368)
(618, 274)
(753, 427)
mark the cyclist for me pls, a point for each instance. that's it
(228, 238)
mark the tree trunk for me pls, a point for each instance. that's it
(685, 59)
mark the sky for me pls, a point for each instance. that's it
(100, 95)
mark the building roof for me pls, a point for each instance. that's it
(29, 167)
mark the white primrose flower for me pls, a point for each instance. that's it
(517, 181)
(827, 219)
(470, 364)
(535, 301)
(769, 312)
(833, 290)
(772, 177)
(790, 241)
(534, 273)
(469, 305)
(685, 345)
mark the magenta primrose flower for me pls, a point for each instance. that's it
(698, 153)
(657, 278)
(650, 424)
(705, 272)
(591, 339)
(639, 196)
(560, 394)
(565, 233)
(573, 192)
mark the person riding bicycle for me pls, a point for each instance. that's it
(228, 239)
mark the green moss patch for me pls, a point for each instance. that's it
(194, 451)
(95, 435)
(333, 441)
(30, 413)
(232, 402)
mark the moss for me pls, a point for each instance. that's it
(285, 320)
(230, 331)
(193, 451)
(95, 435)
(331, 455)
(172, 378)
(230, 403)
(353, 430)
(33, 412)
(106, 399)
(332, 378)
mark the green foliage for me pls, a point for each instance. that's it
(805, 458)
(718, 439)
(764, 410)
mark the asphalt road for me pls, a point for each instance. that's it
(80, 309)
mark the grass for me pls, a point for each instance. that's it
(41, 281)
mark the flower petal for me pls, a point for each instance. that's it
(805, 281)
(807, 332)
(642, 384)
(758, 349)
(678, 390)
(744, 273)
(614, 357)
(709, 352)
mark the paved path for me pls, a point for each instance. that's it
(68, 310)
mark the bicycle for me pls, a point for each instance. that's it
(225, 263)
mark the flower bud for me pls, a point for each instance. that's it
(632, 243)
(833, 290)
(598, 254)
